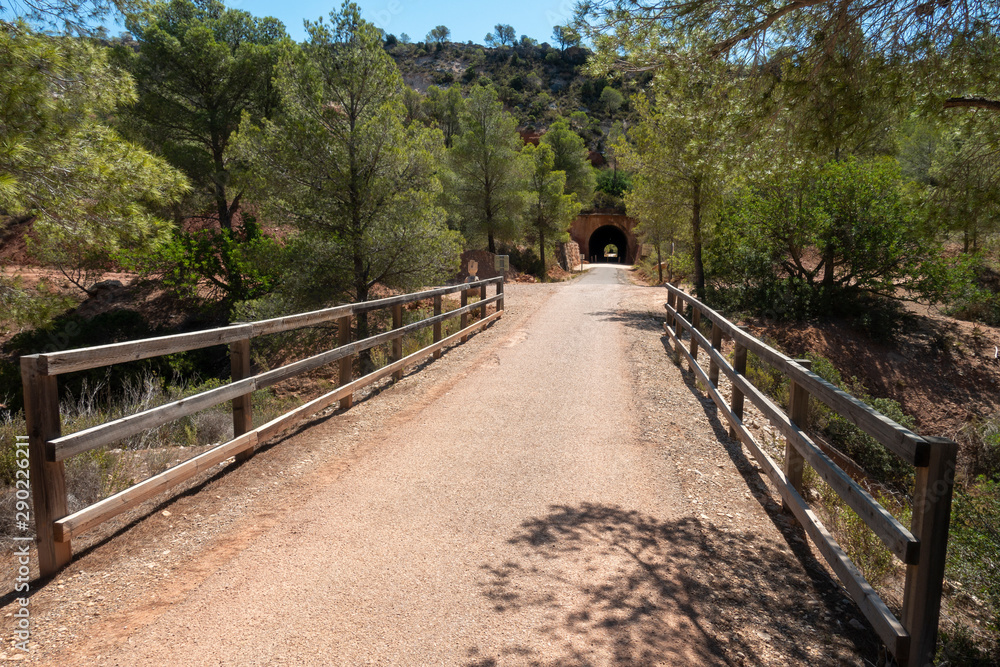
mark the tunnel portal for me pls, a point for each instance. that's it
(608, 235)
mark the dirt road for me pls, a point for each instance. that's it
(564, 500)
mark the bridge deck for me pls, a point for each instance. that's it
(554, 493)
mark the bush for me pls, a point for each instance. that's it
(959, 647)
(974, 545)
(614, 182)
(865, 450)
(982, 302)
(980, 442)
(868, 452)
(73, 331)
(768, 379)
(11, 426)
(646, 266)
(851, 215)
(860, 543)
(524, 260)
(611, 99)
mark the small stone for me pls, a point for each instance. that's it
(166, 513)
(856, 624)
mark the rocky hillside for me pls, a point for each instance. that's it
(538, 83)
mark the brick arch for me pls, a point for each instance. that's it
(586, 224)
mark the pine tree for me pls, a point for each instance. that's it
(572, 157)
(339, 162)
(487, 185)
(550, 210)
(92, 193)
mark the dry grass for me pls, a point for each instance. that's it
(104, 471)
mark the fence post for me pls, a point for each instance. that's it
(239, 358)
(798, 411)
(713, 368)
(437, 325)
(482, 297)
(347, 363)
(500, 292)
(931, 515)
(740, 366)
(695, 321)
(48, 478)
(397, 342)
(465, 316)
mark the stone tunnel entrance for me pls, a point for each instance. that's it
(593, 231)
(608, 235)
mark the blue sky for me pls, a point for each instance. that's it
(467, 20)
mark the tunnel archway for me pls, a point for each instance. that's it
(604, 236)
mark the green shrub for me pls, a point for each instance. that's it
(959, 647)
(982, 302)
(860, 543)
(768, 379)
(646, 266)
(974, 545)
(613, 182)
(851, 213)
(73, 331)
(866, 451)
(980, 442)
(525, 260)
(22, 307)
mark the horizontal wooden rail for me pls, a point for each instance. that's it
(911, 640)
(49, 448)
(80, 522)
(883, 620)
(900, 440)
(886, 624)
(892, 533)
(57, 363)
(103, 434)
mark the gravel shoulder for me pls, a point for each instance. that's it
(554, 492)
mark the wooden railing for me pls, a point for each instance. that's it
(922, 547)
(48, 448)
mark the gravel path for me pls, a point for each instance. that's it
(554, 493)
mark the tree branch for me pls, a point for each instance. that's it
(767, 22)
(973, 102)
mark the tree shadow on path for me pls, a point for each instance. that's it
(606, 585)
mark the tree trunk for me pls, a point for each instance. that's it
(828, 264)
(221, 199)
(541, 251)
(699, 267)
(491, 243)
(659, 262)
(226, 212)
(365, 363)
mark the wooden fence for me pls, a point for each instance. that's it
(922, 547)
(48, 448)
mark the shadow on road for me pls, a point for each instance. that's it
(679, 592)
(640, 321)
